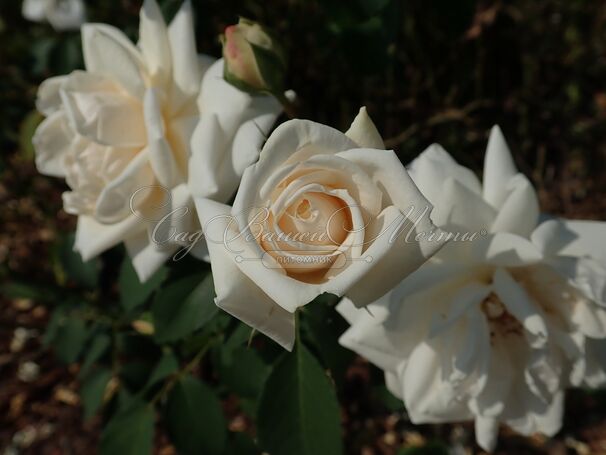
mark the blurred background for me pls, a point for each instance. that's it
(428, 71)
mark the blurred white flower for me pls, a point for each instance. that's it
(61, 14)
(121, 135)
(28, 371)
(314, 215)
(492, 329)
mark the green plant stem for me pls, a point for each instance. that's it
(170, 383)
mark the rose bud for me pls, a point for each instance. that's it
(254, 61)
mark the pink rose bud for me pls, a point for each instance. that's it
(253, 61)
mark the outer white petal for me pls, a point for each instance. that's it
(369, 338)
(52, 140)
(35, 10)
(403, 252)
(49, 98)
(393, 384)
(499, 168)
(161, 155)
(153, 41)
(67, 15)
(232, 128)
(146, 258)
(572, 238)
(114, 201)
(391, 260)
(428, 398)
(364, 132)
(93, 238)
(504, 250)
(99, 111)
(493, 398)
(520, 305)
(519, 211)
(107, 51)
(433, 167)
(236, 293)
(348, 310)
(461, 210)
(187, 73)
(550, 422)
(487, 432)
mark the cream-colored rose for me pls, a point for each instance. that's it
(244, 65)
(321, 211)
(61, 14)
(496, 328)
(122, 135)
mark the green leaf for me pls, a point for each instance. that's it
(431, 448)
(97, 348)
(19, 290)
(166, 366)
(130, 432)
(324, 326)
(298, 411)
(195, 418)
(243, 372)
(134, 293)
(92, 391)
(69, 339)
(73, 267)
(373, 6)
(54, 324)
(183, 307)
(271, 67)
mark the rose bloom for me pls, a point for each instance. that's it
(120, 133)
(317, 213)
(496, 327)
(61, 14)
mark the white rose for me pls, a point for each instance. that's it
(61, 14)
(121, 135)
(319, 212)
(495, 328)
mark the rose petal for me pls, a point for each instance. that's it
(108, 52)
(93, 238)
(572, 238)
(519, 210)
(161, 155)
(364, 132)
(99, 111)
(520, 305)
(154, 45)
(499, 168)
(461, 210)
(52, 141)
(433, 167)
(236, 293)
(502, 249)
(49, 97)
(487, 432)
(114, 202)
(187, 76)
